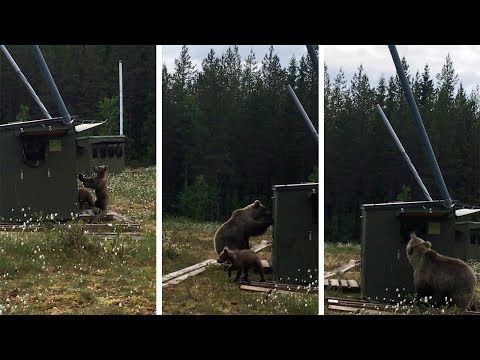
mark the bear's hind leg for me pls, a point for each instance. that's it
(245, 273)
(462, 301)
(260, 271)
(239, 273)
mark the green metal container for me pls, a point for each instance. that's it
(295, 233)
(101, 150)
(386, 274)
(37, 174)
(467, 240)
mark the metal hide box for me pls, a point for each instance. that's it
(467, 240)
(386, 274)
(295, 233)
(101, 150)
(37, 174)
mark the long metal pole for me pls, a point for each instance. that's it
(423, 133)
(120, 84)
(25, 81)
(302, 111)
(37, 53)
(313, 57)
(403, 152)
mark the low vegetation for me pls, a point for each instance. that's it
(70, 271)
(337, 254)
(184, 243)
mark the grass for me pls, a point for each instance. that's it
(70, 272)
(132, 193)
(337, 254)
(184, 243)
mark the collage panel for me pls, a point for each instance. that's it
(77, 179)
(240, 186)
(401, 179)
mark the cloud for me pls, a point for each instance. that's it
(199, 52)
(376, 60)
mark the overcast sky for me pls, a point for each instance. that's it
(376, 60)
(199, 52)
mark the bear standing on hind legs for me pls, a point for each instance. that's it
(252, 220)
(441, 277)
(99, 184)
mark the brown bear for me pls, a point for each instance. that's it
(99, 184)
(252, 220)
(441, 279)
(85, 199)
(242, 261)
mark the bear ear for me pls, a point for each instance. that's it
(413, 235)
(225, 248)
(256, 204)
(428, 244)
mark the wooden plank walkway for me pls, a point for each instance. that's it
(269, 291)
(268, 286)
(344, 285)
(90, 216)
(186, 270)
(342, 269)
(178, 276)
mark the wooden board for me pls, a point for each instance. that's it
(341, 308)
(88, 217)
(342, 269)
(108, 227)
(374, 312)
(344, 285)
(286, 287)
(87, 214)
(352, 284)
(263, 289)
(261, 246)
(183, 277)
(188, 269)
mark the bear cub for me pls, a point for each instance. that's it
(85, 199)
(252, 220)
(242, 261)
(99, 184)
(443, 278)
